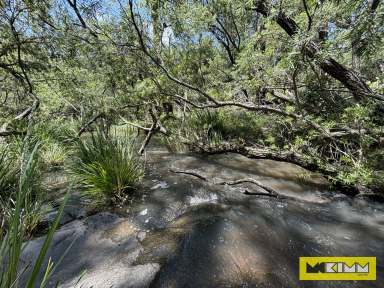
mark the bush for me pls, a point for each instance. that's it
(214, 126)
(60, 130)
(108, 166)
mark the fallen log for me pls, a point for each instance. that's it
(327, 170)
(246, 192)
(264, 153)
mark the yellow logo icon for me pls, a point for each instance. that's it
(337, 268)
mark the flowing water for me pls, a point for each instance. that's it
(223, 238)
(182, 231)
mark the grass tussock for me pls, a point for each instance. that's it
(8, 172)
(20, 208)
(108, 166)
(13, 179)
(54, 155)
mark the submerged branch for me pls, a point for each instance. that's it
(270, 191)
(190, 173)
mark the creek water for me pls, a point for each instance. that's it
(207, 235)
(182, 231)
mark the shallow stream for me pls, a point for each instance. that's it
(182, 231)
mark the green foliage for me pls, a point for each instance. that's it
(57, 137)
(11, 181)
(54, 154)
(8, 173)
(107, 166)
(12, 240)
(59, 130)
(227, 124)
(359, 174)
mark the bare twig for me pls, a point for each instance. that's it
(190, 173)
(248, 180)
(134, 124)
(89, 123)
(308, 15)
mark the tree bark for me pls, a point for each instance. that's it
(264, 153)
(374, 4)
(348, 77)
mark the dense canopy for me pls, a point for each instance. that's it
(89, 87)
(296, 80)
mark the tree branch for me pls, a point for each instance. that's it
(89, 123)
(270, 191)
(348, 77)
(308, 15)
(81, 19)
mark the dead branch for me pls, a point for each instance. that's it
(265, 153)
(246, 192)
(148, 138)
(89, 123)
(135, 125)
(248, 180)
(155, 127)
(190, 173)
(270, 191)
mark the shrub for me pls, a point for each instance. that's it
(214, 126)
(107, 165)
(356, 174)
(60, 130)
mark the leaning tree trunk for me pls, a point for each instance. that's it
(348, 77)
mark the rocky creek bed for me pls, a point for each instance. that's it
(180, 231)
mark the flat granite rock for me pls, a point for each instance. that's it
(104, 246)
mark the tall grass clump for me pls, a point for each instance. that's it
(54, 155)
(10, 175)
(108, 165)
(57, 137)
(21, 206)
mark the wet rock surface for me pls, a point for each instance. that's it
(103, 246)
(180, 231)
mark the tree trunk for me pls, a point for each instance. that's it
(348, 77)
